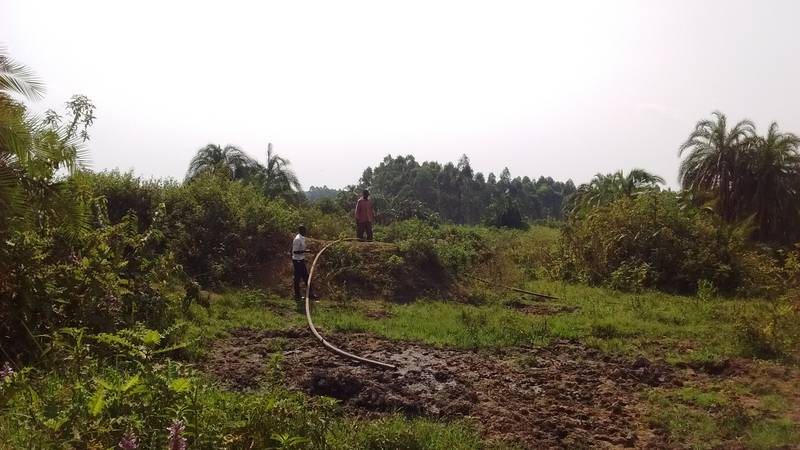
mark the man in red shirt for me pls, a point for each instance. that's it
(365, 215)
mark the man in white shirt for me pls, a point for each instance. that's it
(299, 261)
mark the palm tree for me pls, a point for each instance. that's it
(712, 160)
(637, 180)
(604, 189)
(212, 158)
(275, 177)
(19, 79)
(33, 151)
(15, 137)
(773, 183)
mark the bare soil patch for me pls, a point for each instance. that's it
(378, 314)
(540, 309)
(564, 395)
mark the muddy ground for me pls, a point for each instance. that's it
(540, 309)
(564, 395)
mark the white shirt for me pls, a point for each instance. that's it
(299, 245)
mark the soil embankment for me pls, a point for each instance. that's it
(364, 270)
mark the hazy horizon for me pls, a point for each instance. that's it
(562, 90)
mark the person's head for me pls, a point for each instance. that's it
(302, 230)
(365, 193)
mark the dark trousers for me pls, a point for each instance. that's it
(300, 273)
(364, 227)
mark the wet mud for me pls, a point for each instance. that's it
(563, 395)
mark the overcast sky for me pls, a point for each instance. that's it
(557, 88)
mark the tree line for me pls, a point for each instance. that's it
(746, 178)
(403, 188)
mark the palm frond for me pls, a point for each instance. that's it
(18, 78)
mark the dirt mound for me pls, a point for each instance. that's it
(560, 396)
(367, 270)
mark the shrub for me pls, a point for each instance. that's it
(762, 275)
(124, 194)
(221, 230)
(101, 279)
(773, 333)
(121, 385)
(629, 276)
(706, 290)
(326, 225)
(411, 229)
(505, 213)
(453, 248)
(654, 241)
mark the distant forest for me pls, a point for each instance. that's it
(404, 188)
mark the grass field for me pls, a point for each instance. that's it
(707, 412)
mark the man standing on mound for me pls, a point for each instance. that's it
(365, 215)
(299, 262)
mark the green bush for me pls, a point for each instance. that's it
(402, 230)
(706, 290)
(654, 241)
(221, 230)
(102, 279)
(106, 387)
(771, 333)
(124, 193)
(324, 224)
(454, 248)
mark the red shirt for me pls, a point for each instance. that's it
(364, 211)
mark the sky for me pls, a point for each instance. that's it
(564, 89)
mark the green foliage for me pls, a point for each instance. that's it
(709, 416)
(124, 193)
(747, 176)
(102, 279)
(221, 230)
(453, 248)
(99, 320)
(629, 276)
(317, 194)
(602, 190)
(653, 241)
(122, 384)
(34, 154)
(230, 161)
(706, 291)
(405, 189)
(326, 224)
(274, 179)
(397, 433)
(771, 333)
(505, 213)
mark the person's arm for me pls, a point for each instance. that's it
(358, 205)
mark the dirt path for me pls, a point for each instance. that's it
(560, 396)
